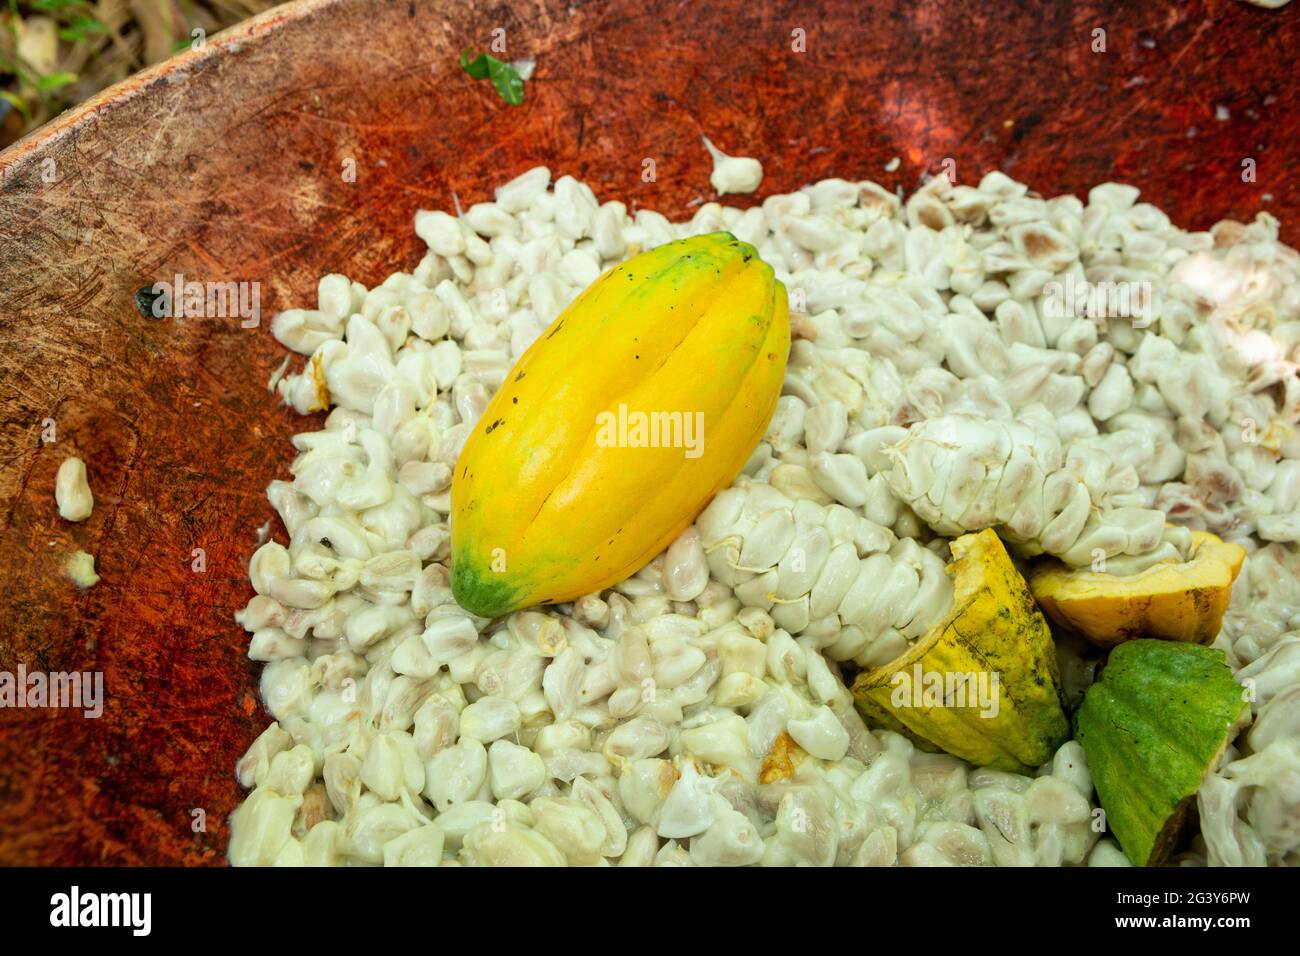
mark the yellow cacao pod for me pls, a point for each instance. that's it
(643, 399)
(983, 683)
(1171, 601)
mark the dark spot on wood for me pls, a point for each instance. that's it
(145, 297)
(1025, 125)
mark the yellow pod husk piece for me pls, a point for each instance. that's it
(642, 400)
(983, 684)
(1172, 601)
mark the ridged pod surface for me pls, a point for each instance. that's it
(560, 489)
(1153, 726)
(993, 627)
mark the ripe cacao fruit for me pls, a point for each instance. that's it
(643, 399)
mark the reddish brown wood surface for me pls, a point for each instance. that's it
(225, 164)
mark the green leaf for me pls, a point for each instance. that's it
(80, 28)
(18, 103)
(478, 67)
(53, 81)
(505, 78)
(509, 84)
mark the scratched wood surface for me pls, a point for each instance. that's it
(226, 165)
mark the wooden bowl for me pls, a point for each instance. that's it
(227, 163)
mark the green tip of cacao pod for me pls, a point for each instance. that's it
(481, 591)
